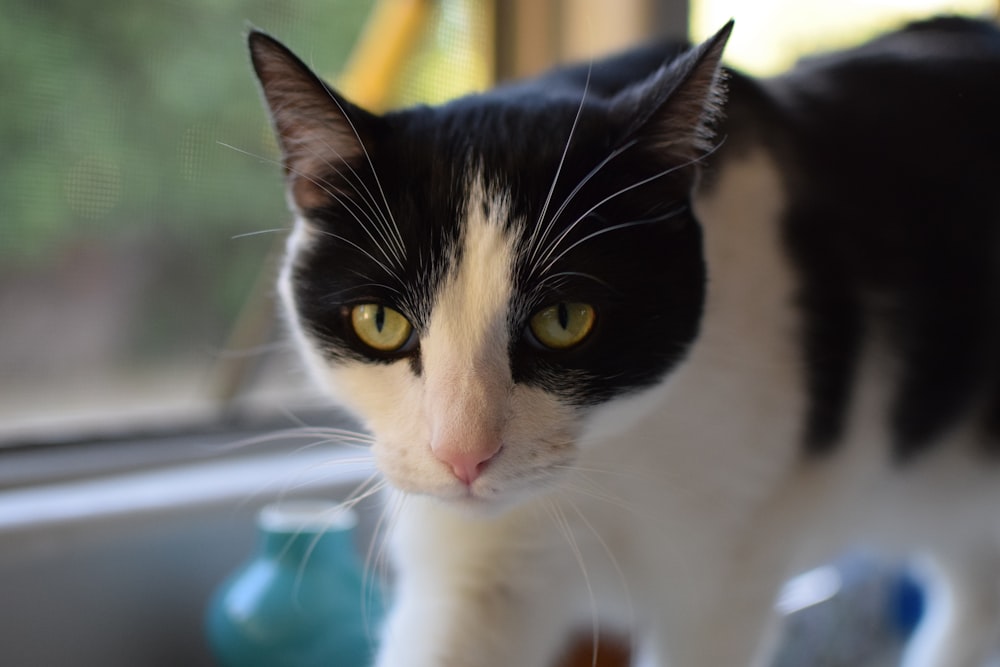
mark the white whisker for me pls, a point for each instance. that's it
(262, 158)
(637, 473)
(378, 285)
(259, 232)
(366, 489)
(599, 232)
(367, 254)
(536, 241)
(562, 523)
(320, 435)
(327, 189)
(291, 487)
(614, 562)
(376, 560)
(331, 514)
(562, 236)
(596, 493)
(579, 186)
(562, 275)
(382, 225)
(308, 146)
(371, 166)
(661, 524)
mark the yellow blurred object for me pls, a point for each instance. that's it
(454, 56)
(388, 38)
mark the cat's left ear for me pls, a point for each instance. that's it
(674, 112)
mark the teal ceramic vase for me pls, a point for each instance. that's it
(301, 600)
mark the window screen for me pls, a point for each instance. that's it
(130, 233)
(141, 207)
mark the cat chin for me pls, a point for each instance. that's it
(479, 505)
(475, 506)
(482, 502)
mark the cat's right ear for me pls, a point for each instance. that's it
(318, 131)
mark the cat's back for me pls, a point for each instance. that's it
(890, 154)
(932, 88)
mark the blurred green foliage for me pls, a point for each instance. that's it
(116, 121)
(114, 114)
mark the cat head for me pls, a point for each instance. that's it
(479, 281)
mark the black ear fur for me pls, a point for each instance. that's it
(675, 110)
(318, 130)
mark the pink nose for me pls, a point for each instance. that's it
(467, 463)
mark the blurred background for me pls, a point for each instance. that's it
(141, 208)
(141, 219)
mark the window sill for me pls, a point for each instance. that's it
(244, 479)
(120, 566)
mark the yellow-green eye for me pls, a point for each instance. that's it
(380, 328)
(562, 325)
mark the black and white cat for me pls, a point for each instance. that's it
(633, 364)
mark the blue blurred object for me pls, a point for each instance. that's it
(857, 611)
(300, 601)
(906, 603)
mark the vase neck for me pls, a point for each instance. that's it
(307, 546)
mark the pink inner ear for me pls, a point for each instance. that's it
(314, 125)
(314, 148)
(312, 160)
(307, 193)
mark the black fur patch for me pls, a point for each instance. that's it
(625, 241)
(893, 154)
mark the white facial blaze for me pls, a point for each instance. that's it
(463, 406)
(465, 351)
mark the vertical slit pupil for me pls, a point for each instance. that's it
(379, 318)
(563, 313)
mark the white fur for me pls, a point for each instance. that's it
(677, 523)
(465, 397)
(464, 353)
